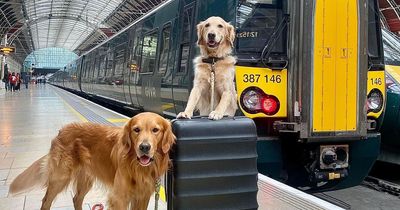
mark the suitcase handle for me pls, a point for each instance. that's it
(204, 117)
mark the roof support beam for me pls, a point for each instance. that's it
(45, 18)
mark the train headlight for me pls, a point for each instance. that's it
(375, 100)
(251, 100)
(254, 100)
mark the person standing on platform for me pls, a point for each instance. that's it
(13, 81)
(26, 81)
(5, 80)
(18, 85)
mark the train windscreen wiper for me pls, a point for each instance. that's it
(265, 54)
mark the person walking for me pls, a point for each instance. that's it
(26, 80)
(13, 81)
(5, 80)
(18, 85)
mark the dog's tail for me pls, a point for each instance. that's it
(33, 176)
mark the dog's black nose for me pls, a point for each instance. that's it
(144, 147)
(211, 36)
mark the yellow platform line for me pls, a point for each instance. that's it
(76, 113)
(117, 120)
(162, 194)
(167, 106)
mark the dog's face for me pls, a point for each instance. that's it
(149, 133)
(215, 31)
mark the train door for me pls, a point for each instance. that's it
(150, 81)
(118, 73)
(183, 75)
(164, 70)
(135, 50)
(80, 73)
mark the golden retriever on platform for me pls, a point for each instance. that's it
(126, 159)
(215, 39)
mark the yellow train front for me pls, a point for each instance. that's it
(316, 88)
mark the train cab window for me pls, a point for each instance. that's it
(164, 49)
(256, 21)
(149, 51)
(374, 33)
(186, 37)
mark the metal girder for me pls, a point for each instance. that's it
(45, 18)
(74, 24)
(390, 10)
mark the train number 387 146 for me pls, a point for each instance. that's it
(254, 78)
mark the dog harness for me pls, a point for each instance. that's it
(212, 61)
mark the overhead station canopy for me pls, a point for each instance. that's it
(390, 15)
(76, 25)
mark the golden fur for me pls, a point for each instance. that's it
(225, 93)
(84, 152)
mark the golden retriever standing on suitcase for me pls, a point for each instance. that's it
(126, 159)
(215, 39)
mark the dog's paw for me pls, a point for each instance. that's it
(184, 115)
(214, 115)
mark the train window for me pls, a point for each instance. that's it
(149, 51)
(255, 22)
(186, 36)
(85, 69)
(373, 30)
(109, 65)
(119, 60)
(187, 22)
(102, 70)
(96, 68)
(164, 49)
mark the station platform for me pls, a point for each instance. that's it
(29, 120)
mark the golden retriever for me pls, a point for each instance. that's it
(215, 39)
(126, 159)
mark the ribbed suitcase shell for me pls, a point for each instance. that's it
(214, 165)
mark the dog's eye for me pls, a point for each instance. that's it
(207, 25)
(137, 130)
(155, 130)
(220, 26)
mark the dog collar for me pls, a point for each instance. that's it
(211, 60)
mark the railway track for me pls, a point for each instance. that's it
(382, 185)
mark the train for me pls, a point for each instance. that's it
(390, 146)
(311, 78)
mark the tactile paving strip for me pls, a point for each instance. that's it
(82, 108)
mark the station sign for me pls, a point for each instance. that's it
(5, 50)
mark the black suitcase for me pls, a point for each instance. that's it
(214, 165)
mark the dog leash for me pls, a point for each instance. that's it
(212, 85)
(212, 61)
(157, 195)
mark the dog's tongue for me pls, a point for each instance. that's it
(211, 43)
(144, 160)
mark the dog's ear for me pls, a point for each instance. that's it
(200, 28)
(230, 34)
(168, 137)
(126, 139)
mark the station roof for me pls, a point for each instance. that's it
(390, 15)
(79, 25)
(76, 25)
